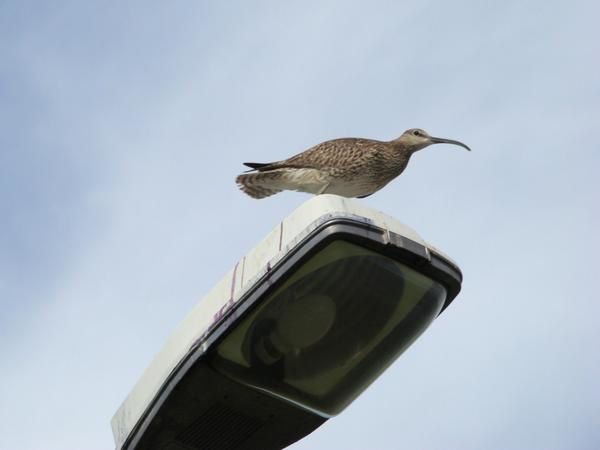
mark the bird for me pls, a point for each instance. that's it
(348, 167)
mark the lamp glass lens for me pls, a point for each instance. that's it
(331, 328)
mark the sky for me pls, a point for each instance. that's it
(124, 124)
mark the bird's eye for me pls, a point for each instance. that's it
(417, 133)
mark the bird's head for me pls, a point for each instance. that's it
(417, 139)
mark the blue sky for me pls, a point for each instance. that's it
(123, 125)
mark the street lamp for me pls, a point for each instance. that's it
(292, 335)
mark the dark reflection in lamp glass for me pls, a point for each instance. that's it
(324, 335)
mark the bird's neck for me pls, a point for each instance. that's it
(396, 159)
(402, 151)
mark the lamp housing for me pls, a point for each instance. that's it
(299, 327)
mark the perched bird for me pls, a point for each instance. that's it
(350, 167)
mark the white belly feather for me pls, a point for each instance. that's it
(315, 181)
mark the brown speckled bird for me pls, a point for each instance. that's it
(350, 167)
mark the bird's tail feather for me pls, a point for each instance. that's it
(268, 182)
(257, 185)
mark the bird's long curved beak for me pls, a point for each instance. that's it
(436, 140)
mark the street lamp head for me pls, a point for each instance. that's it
(297, 330)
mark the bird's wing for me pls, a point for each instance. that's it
(326, 154)
(256, 166)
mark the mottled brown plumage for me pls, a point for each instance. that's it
(350, 167)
